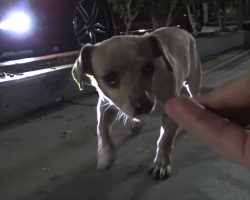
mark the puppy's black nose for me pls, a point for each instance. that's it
(143, 106)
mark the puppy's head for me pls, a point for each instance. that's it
(124, 70)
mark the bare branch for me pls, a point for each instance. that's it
(177, 13)
(169, 19)
(129, 7)
(134, 16)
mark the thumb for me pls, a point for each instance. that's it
(222, 136)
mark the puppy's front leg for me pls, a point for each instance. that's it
(106, 115)
(137, 127)
(162, 162)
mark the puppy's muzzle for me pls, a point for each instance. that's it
(142, 106)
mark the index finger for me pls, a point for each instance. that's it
(225, 138)
(231, 100)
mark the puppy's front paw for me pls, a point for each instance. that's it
(160, 172)
(137, 127)
(161, 168)
(106, 158)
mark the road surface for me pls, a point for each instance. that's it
(51, 155)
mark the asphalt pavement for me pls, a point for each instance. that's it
(51, 155)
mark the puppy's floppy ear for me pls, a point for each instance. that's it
(158, 51)
(83, 65)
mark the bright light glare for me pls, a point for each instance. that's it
(188, 88)
(142, 30)
(18, 22)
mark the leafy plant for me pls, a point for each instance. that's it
(128, 10)
(188, 3)
(220, 9)
(156, 9)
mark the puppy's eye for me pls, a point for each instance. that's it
(148, 70)
(111, 79)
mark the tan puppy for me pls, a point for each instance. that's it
(134, 77)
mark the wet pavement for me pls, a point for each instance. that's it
(51, 154)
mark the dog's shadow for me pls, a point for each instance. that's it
(128, 179)
(92, 184)
(122, 181)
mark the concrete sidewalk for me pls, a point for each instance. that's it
(51, 155)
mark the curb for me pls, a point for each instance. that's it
(234, 59)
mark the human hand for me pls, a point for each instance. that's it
(205, 116)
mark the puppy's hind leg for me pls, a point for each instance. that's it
(106, 115)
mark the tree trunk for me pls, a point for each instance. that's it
(220, 21)
(155, 21)
(129, 17)
(223, 28)
(128, 27)
(240, 15)
(219, 13)
(223, 15)
(205, 11)
(169, 18)
(191, 21)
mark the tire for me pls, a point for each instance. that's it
(88, 21)
(198, 17)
